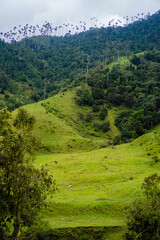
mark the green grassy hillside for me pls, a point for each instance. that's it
(95, 187)
(95, 180)
(103, 181)
(63, 126)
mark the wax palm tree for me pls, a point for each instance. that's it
(1, 34)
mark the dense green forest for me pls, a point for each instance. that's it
(135, 87)
(38, 67)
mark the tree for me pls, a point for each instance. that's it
(86, 98)
(103, 113)
(23, 188)
(143, 216)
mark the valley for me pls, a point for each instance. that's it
(96, 180)
(93, 100)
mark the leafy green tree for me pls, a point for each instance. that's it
(86, 98)
(97, 93)
(23, 188)
(143, 216)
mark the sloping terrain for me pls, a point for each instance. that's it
(107, 81)
(63, 126)
(38, 67)
(95, 181)
(95, 187)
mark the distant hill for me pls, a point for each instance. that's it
(38, 67)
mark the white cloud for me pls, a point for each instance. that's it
(15, 12)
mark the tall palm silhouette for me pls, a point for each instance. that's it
(18, 33)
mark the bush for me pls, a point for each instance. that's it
(122, 118)
(97, 93)
(103, 113)
(95, 108)
(98, 102)
(105, 126)
(86, 98)
(143, 216)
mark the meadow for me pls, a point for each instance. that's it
(96, 180)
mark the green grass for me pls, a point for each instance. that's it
(61, 125)
(111, 117)
(104, 180)
(103, 183)
(123, 62)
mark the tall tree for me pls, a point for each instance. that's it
(23, 188)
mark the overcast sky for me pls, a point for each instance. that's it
(20, 12)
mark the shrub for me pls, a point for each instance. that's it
(95, 108)
(86, 98)
(97, 93)
(103, 114)
(105, 126)
(98, 102)
(143, 216)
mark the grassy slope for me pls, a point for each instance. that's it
(105, 180)
(61, 125)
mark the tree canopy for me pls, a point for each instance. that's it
(35, 65)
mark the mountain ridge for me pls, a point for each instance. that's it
(41, 66)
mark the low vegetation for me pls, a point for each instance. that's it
(143, 217)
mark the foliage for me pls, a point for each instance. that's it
(105, 126)
(97, 93)
(143, 217)
(86, 98)
(103, 113)
(41, 232)
(24, 188)
(120, 65)
(95, 108)
(43, 65)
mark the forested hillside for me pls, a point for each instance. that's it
(133, 84)
(38, 67)
(120, 64)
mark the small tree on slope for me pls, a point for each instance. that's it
(143, 217)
